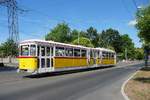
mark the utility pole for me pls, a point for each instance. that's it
(12, 11)
(78, 38)
(146, 53)
(126, 56)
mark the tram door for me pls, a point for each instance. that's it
(45, 58)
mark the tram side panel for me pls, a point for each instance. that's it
(98, 61)
(62, 62)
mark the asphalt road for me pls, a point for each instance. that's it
(100, 84)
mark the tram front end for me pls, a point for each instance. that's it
(28, 61)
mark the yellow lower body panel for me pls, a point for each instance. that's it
(62, 62)
(98, 61)
(91, 61)
(107, 61)
(28, 63)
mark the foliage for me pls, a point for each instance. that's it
(109, 38)
(8, 48)
(74, 34)
(139, 53)
(92, 34)
(61, 33)
(83, 41)
(120, 43)
(128, 45)
(143, 24)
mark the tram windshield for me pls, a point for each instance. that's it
(24, 51)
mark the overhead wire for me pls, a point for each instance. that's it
(126, 8)
(135, 4)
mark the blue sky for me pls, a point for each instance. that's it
(43, 15)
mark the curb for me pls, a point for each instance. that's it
(123, 86)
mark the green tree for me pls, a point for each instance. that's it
(83, 41)
(74, 34)
(9, 48)
(112, 38)
(139, 53)
(61, 33)
(127, 46)
(126, 42)
(103, 40)
(83, 34)
(143, 24)
(92, 35)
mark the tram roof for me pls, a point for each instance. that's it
(104, 49)
(51, 42)
(63, 44)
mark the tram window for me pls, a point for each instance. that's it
(107, 55)
(25, 50)
(52, 62)
(32, 50)
(112, 55)
(83, 53)
(48, 51)
(42, 62)
(48, 62)
(60, 51)
(95, 53)
(91, 53)
(69, 52)
(51, 51)
(38, 50)
(77, 52)
(104, 55)
(98, 54)
(42, 51)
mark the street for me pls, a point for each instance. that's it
(99, 84)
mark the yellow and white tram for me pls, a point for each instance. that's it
(40, 56)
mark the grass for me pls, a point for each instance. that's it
(138, 88)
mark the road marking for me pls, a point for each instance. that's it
(123, 86)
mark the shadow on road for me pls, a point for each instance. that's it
(146, 69)
(7, 68)
(143, 79)
(50, 74)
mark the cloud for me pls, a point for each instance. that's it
(140, 7)
(132, 22)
